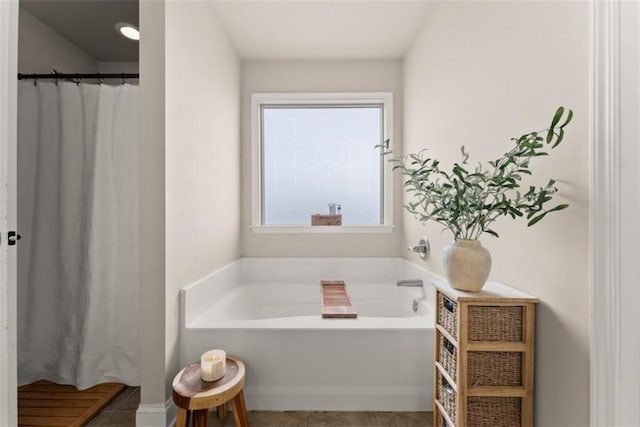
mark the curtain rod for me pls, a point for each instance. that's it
(78, 76)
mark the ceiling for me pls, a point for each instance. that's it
(89, 24)
(321, 29)
(258, 29)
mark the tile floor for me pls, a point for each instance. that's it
(331, 419)
(122, 413)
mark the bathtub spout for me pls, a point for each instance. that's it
(410, 282)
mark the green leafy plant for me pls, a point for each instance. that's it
(468, 200)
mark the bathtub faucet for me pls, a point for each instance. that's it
(410, 282)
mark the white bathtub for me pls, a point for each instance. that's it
(267, 312)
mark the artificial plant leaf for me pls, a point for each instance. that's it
(556, 117)
(515, 211)
(560, 137)
(536, 219)
(569, 117)
(558, 208)
(493, 233)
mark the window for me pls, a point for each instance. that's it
(310, 150)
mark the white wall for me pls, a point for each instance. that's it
(8, 267)
(478, 74)
(118, 67)
(151, 174)
(202, 154)
(41, 49)
(317, 76)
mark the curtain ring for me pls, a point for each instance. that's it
(54, 72)
(124, 80)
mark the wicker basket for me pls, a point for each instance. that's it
(494, 368)
(448, 356)
(448, 314)
(494, 411)
(495, 323)
(442, 422)
(447, 398)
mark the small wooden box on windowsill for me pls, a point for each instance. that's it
(319, 219)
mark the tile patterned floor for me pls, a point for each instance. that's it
(122, 413)
(331, 419)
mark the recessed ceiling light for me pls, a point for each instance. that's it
(128, 30)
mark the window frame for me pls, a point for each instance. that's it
(258, 100)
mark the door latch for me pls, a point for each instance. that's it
(12, 238)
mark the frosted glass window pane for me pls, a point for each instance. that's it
(313, 156)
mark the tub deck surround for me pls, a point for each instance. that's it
(267, 311)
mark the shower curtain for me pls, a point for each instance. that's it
(77, 214)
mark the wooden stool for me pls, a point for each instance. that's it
(195, 397)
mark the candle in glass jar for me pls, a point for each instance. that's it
(212, 365)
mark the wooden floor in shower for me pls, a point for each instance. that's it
(44, 403)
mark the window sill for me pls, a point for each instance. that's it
(322, 229)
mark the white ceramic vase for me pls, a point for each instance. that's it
(466, 264)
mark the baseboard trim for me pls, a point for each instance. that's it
(293, 398)
(171, 412)
(156, 414)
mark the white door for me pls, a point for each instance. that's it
(8, 166)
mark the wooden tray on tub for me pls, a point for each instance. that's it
(336, 303)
